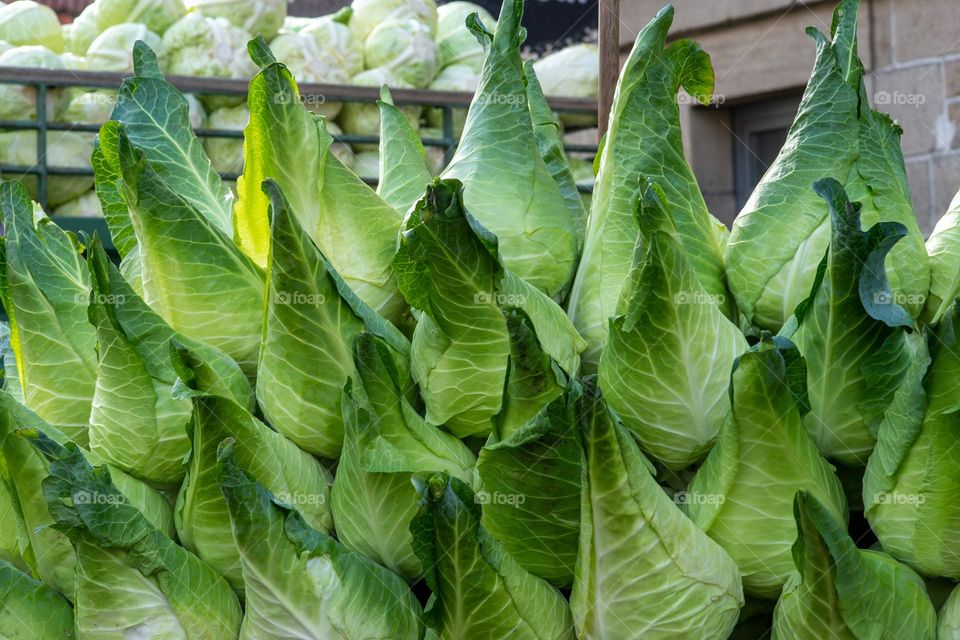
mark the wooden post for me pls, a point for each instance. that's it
(609, 30)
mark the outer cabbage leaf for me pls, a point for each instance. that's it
(843, 592)
(944, 250)
(50, 555)
(31, 609)
(312, 319)
(291, 474)
(193, 276)
(479, 590)
(156, 119)
(404, 174)
(44, 287)
(851, 333)
(386, 441)
(14, 538)
(132, 579)
(644, 569)
(644, 139)
(666, 367)
(300, 583)
(508, 187)
(546, 130)
(529, 469)
(783, 230)
(912, 476)
(353, 227)
(447, 267)
(136, 423)
(743, 494)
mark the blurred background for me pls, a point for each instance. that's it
(762, 57)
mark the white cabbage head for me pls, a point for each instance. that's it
(65, 149)
(456, 45)
(309, 64)
(19, 102)
(155, 15)
(406, 47)
(336, 42)
(363, 119)
(28, 23)
(367, 14)
(113, 49)
(259, 17)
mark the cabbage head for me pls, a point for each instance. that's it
(50, 554)
(201, 515)
(45, 289)
(201, 46)
(943, 248)
(336, 42)
(840, 591)
(456, 45)
(743, 494)
(312, 321)
(851, 332)
(29, 23)
(302, 581)
(90, 107)
(156, 15)
(507, 185)
(479, 589)
(309, 63)
(256, 17)
(645, 140)
(666, 366)
(350, 224)
(386, 441)
(367, 14)
(65, 150)
(31, 609)
(782, 232)
(119, 552)
(643, 566)
(406, 48)
(447, 266)
(113, 49)
(366, 164)
(20, 102)
(912, 476)
(226, 154)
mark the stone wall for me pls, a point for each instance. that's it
(759, 48)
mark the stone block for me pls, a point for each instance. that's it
(918, 175)
(925, 29)
(914, 98)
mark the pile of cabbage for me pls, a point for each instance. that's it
(400, 43)
(461, 407)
